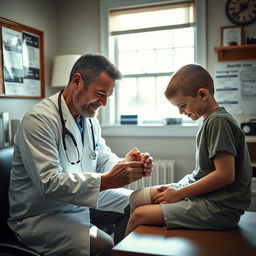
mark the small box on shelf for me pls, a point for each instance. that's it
(129, 119)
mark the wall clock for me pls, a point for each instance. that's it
(241, 12)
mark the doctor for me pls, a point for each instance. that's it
(65, 181)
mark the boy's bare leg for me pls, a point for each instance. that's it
(145, 215)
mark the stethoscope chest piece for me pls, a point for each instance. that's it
(93, 155)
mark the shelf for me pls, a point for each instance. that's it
(251, 144)
(251, 139)
(237, 52)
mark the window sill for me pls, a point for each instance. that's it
(185, 130)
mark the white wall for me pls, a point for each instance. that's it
(79, 30)
(73, 27)
(216, 18)
(180, 149)
(68, 26)
(42, 16)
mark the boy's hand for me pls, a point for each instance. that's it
(169, 195)
(162, 188)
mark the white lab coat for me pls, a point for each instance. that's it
(43, 183)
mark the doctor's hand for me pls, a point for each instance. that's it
(135, 155)
(122, 174)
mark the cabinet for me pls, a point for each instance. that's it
(237, 52)
(251, 143)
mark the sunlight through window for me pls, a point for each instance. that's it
(149, 44)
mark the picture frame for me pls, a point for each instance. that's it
(232, 35)
(21, 61)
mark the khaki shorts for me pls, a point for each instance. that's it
(198, 213)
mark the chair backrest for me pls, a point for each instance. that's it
(5, 169)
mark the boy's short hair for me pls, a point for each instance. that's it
(188, 80)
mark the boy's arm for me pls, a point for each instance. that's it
(223, 175)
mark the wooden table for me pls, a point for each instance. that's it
(153, 240)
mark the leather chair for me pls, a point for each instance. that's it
(9, 245)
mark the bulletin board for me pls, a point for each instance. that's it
(21, 61)
(235, 84)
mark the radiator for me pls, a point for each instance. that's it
(162, 173)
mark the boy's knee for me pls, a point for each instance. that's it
(137, 216)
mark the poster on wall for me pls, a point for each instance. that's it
(235, 86)
(21, 65)
(12, 57)
(31, 64)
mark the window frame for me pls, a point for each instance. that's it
(200, 58)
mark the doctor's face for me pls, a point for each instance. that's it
(87, 101)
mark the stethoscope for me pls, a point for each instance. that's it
(66, 132)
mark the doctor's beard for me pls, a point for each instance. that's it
(86, 110)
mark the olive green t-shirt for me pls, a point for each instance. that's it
(220, 132)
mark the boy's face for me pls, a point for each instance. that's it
(193, 107)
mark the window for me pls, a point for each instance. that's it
(148, 44)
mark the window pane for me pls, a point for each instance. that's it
(183, 56)
(155, 52)
(165, 108)
(145, 57)
(183, 37)
(164, 39)
(136, 62)
(127, 89)
(163, 61)
(135, 41)
(146, 96)
(127, 62)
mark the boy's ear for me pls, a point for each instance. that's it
(203, 93)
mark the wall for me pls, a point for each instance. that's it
(68, 26)
(79, 30)
(42, 16)
(73, 27)
(180, 149)
(216, 18)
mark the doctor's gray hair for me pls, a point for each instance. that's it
(90, 66)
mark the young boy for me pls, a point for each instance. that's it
(217, 192)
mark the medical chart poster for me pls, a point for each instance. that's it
(12, 57)
(235, 86)
(31, 64)
(21, 61)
